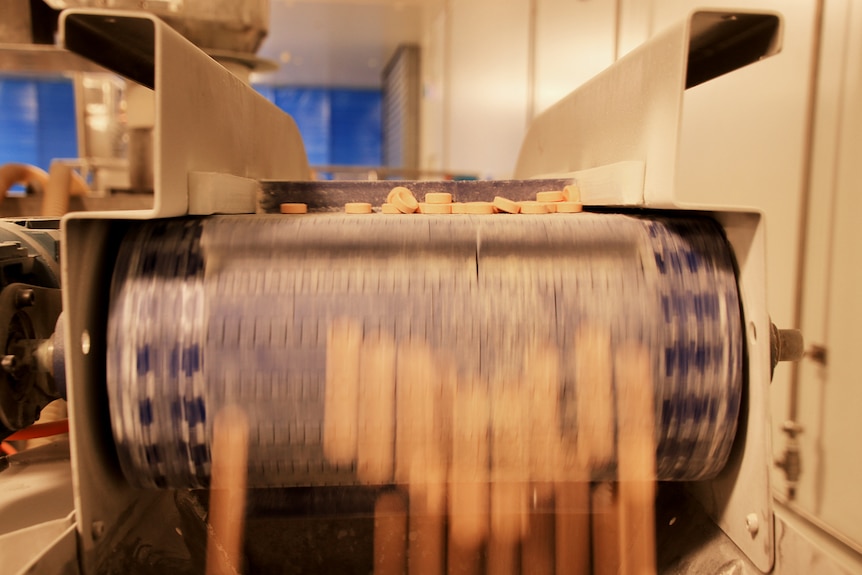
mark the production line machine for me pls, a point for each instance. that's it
(408, 390)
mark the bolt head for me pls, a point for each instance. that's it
(9, 362)
(752, 523)
(25, 297)
(98, 529)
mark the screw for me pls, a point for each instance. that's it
(752, 523)
(97, 529)
(25, 297)
(9, 363)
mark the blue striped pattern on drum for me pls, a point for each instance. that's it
(235, 309)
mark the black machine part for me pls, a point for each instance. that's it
(30, 304)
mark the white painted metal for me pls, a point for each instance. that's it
(47, 548)
(37, 510)
(214, 193)
(744, 142)
(206, 120)
(631, 111)
(619, 184)
(742, 488)
(731, 498)
(34, 489)
(630, 115)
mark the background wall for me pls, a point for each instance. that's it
(487, 71)
(830, 311)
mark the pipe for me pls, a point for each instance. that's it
(11, 174)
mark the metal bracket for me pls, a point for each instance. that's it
(632, 111)
(742, 489)
(206, 119)
(213, 138)
(617, 136)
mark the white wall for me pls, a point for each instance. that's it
(831, 395)
(488, 68)
(573, 41)
(433, 70)
(486, 95)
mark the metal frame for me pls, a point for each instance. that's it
(739, 500)
(626, 117)
(631, 112)
(206, 120)
(617, 136)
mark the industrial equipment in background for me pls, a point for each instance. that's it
(115, 118)
(344, 338)
(31, 307)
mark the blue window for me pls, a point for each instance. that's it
(37, 120)
(339, 126)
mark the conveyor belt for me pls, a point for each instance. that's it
(236, 309)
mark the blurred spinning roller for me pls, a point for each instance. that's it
(224, 310)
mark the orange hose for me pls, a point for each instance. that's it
(11, 174)
(7, 448)
(56, 189)
(38, 430)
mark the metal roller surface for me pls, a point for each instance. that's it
(237, 309)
